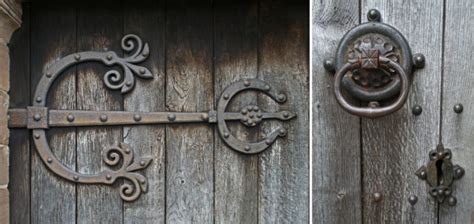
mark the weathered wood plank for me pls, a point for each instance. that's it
(457, 129)
(395, 146)
(189, 87)
(53, 36)
(235, 47)
(147, 21)
(100, 27)
(336, 134)
(19, 186)
(283, 63)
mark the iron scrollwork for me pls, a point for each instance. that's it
(121, 157)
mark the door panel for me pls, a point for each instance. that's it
(196, 50)
(457, 129)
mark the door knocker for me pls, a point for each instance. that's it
(39, 117)
(373, 63)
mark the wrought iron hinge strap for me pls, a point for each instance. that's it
(38, 117)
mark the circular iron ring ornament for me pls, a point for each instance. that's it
(255, 116)
(373, 63)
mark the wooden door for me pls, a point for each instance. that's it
(196, 49)
(364, 169)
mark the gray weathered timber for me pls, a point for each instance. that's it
(189, 87)
(458, 129)
(148, 95)
(19, 186)
(395, 146)
(283, 63)
(235, 47)
(336, 134)
(52, 198)
(98, 27)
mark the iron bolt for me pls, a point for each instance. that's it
(267, 88)
(247, 148)
(452, 201)
(37, 136)
(226, 96)
(171, 117)
(37, 117)
(109, 57)
(373, 15)
(49, 160)
(108, 177)
(268, 141)
(75, 178)
(205, 117)
(377, 196)
(77, 57)
(459, 172)
(39, 99)
(458, 108)
(281, 97)
(286, 114)
(419, 60)
(329, 65)
(137, 117)
(226, 134)
(246, 82)
(142, 163)
(129, 83)
(103, 118)
(413, 199)
(70, 118)
(416, 110)
(142, 71)
(48, 74)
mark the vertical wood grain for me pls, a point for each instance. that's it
(235, 47)
(189, 87)
(336, 134)
(395, 146)
(458, 129)
(99, 28)
(53, 36)
(147, 20)
(19, 186)
(283, 63)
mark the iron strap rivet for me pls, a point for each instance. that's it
(267, 88)
(103, 118)
(75, 177)
(281, 97)
(419, 60)
(108, 177)
(39, 99)
(109, 57)
(413, 199)
(128, 83)
(77, 57)
(171, 117)
(37, 136)
(48, 74)
(226, 96)
(226, 134)
(458, 108)
(142, 71)
(137, 117)
(452, 201)
(70, 117)
(142, 163)
(247, 148)
(49, 160)
(37, 117)
(373, 15)
(205, 117)
(286, 114)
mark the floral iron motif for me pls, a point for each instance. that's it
(38, 117)
(440, 174)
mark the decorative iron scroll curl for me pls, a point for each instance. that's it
(114, 80)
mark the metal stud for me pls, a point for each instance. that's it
(452, 201)
(48, 74)
(419, 60)
(267, 88)
(77, 57)
(70, 118)
(109, 57)
(137, 117)
(171, 117)
(226, 134)
(377, 196)
(108, 177)
(286, 114)
(142, 163)
(37, 136)
(268, 141)
(413, 199)
(282, 131)
(75, 177)
(128, 83)
(246, 82)
(247, 148)
(103, 118)
(205, 117)
(373, 15)
(458, 108)
(416, 110)
(49, 160)
(37, 117)
(226, 96)
(281, 97)
(329, 65)
(39, 99)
